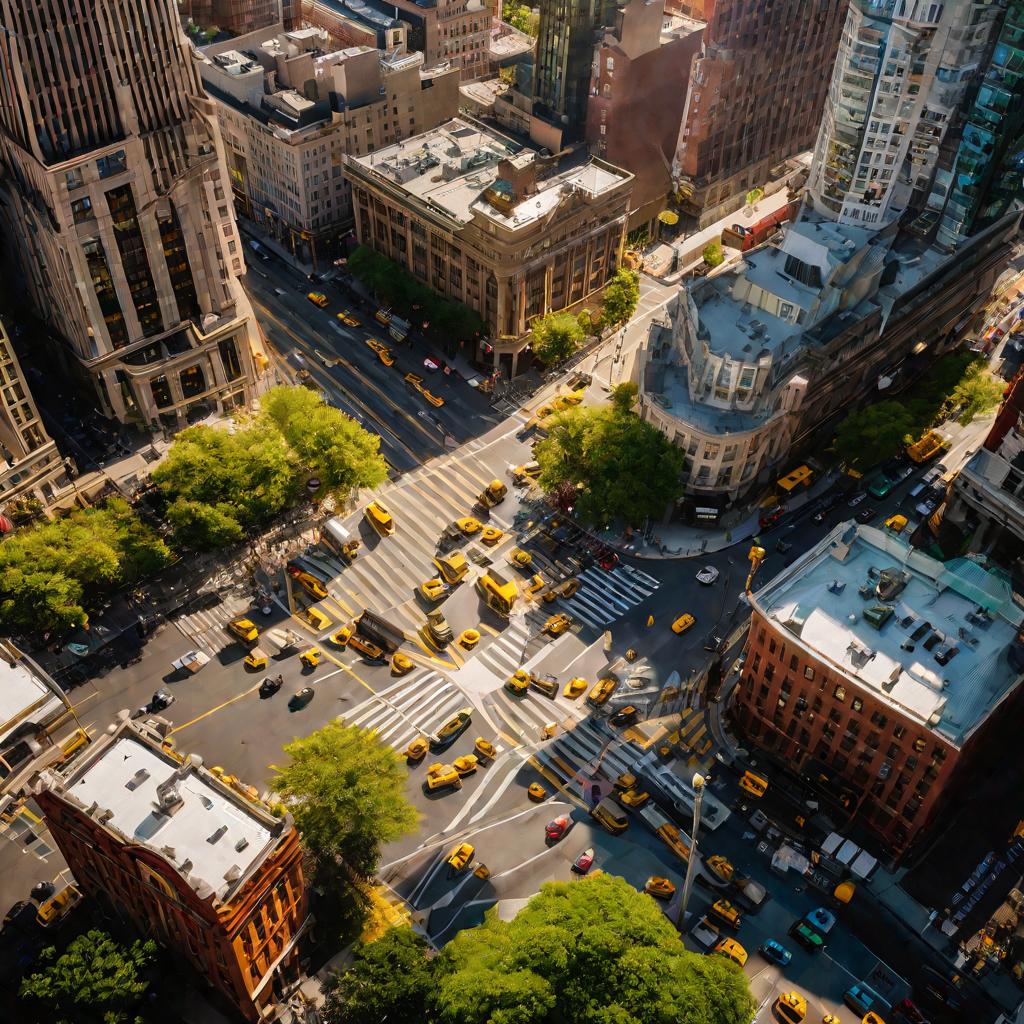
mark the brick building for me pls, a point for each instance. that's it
(186, 855)
(470, 213)
(876, 672)
(757, 90)
(646, 53)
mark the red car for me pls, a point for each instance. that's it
(609, 561)
(584, 861)
(556, 828)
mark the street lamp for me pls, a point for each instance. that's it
(698, 797)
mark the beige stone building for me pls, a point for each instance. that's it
(118, 209)
(478, 218)
(32, 468)
(290, 108)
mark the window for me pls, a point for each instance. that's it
(111, 164)
(792, 662)
(919, 745)
(808, 672)
(73, 178)
(840, 693)
(899, 732)
(858, 704)
(81, 209)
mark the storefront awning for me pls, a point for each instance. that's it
(799, 475)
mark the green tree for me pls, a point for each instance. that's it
(624, 396)
(245, 476)
(754, 196)
(714, 254)
(621, 296)
(589, 952)
(520, 16)
(869, 435)
(978, 392)
(346, 790)
(95, 980)
(555, 337)
(53, 572)
(622, 467)
(332, 446)
(391, 979)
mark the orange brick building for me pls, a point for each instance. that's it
(187, 856)
(875, 672)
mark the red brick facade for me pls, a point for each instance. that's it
(886, 768)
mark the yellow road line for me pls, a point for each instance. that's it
(555, 781)
(340, 606)
(348, 668)
(219, 707)
(484, 628)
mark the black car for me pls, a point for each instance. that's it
(161, 699)
(624, 716)
(866, 514)
(271, 685)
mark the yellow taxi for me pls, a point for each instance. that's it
(731, 950)
(627, 780)
(58, 906)
(367, 648)
(634, 797)
(660, 887)
(576, 687)
(536, 583)
(318, 299)
(341, 637)
(468, 639)
(485, 748)
(455, 725)
(453, 567)
(602, 691)
(490, 535)
(527, 471)
(433, 589)
(466, 764)
(518, 682)
(316, 619)
(683, 623)
(468, 525)
(726, 913)
(309, 583)
(384, 354)
(460, 857)
(346, 317)
(244, 629)
(417, 749)
(442, 776)
(400, 664)
(557, 624)
(720, 866)
(790, 1007)
(435, 400)
(379, 517)
(311, 658)
(896, 523)
(520, 558)
(536, 792)
(256, 659)
(753, 784)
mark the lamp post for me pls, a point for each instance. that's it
(691, 861)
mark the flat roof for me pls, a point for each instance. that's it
(22, 691)
(933, 640)
(210, 834)
(451, 167)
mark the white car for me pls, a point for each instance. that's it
(857, 499)
(707, 575)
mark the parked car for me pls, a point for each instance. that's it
(925, 508)
(775, 952)
(857, 499)
(866, 514)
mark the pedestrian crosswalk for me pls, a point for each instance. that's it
(416, 705)
(506, 652)
(604, 597)
(206, 629)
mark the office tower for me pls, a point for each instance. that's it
(235, 16)
(988, 174)
(903, 70)
(755, 98)
(185, 854)
(565, 51)
(118, 208)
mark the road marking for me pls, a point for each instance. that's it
(219, 707)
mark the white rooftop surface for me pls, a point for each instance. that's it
(189, 830)
(829, 620)
(20, 690)
(416, 165)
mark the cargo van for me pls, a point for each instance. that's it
(863, 999)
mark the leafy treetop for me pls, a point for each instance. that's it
(621, 296)
(556, 336)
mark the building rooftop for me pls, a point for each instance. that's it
(23, 695)
(939, 642)
(210, 833)
(454, 169)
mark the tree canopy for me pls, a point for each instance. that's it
(621, 296)
(622, 467)
(346, 790)
(520, 16)
(332, 445)
(388, 979)
(53, 572)
(714, 254)
(221, 482)
(979, 391)
(556, 336)
(594, 951)
(96, 979)
(874, 433)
